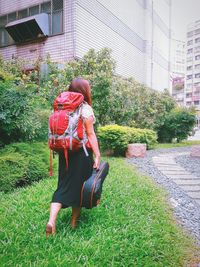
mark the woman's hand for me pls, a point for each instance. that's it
(97, 162)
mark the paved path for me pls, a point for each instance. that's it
(167, 165)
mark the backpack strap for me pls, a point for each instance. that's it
(51, 168)
(85, 149)
(66, 157)
(84, 141)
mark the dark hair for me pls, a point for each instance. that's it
(82, 86)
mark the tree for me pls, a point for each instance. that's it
(177, 124)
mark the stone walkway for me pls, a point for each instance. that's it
(167, 165)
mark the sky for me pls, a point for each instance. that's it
(183, 12)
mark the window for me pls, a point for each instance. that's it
(22, 13)
(53, 8)
(189, 95)
(197, 67)
(189, 68)
(197, 31)
(197, 40)
(190, 34)
(189, 77)
(33, 10)
(12, 16)
(196, 103)
(196, 93)
(197, 57)
(197, 49)
(189, 51)
(57, 23)
(197, 85)
(190, 42)
(3, 37)
(57, 5)
(189, 59)
(57, 17)
(189, 86)
(3, 32)
(188, 103)
(46, 7)
(197, 75)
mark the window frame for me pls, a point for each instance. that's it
(189, 67)
(189, 77)
(190, 51)
(190, 42)
(197, 40)
(197, 57)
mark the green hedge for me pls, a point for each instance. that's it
(23, 163)
(117, 137)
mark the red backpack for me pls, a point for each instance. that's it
(66, 131)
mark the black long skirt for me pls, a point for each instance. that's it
(70, 180)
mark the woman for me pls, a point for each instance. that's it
(80, 166)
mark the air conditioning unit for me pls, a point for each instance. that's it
(29, 28)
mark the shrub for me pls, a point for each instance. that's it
(117, 137)
(114, 137)
(23, 114)
(13, 171)
(146, 136)
(176, 125)
(23, 163)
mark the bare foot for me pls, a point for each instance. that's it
(73, 223)
(50, 229)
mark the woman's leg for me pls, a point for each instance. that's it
(51, 225)
(75, 215)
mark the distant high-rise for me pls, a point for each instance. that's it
(192, 86)
(178, 70)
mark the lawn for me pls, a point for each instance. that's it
(133, 226)
(181, 144)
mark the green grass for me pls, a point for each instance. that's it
(133, 226)
(181, 144)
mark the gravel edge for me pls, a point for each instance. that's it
(186, 210)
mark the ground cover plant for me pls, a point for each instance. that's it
(181, 144)
(133, 226)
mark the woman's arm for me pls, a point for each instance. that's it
(93, 140)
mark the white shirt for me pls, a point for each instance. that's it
(87, 111)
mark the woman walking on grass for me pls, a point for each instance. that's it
(80, 166)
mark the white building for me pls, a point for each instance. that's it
(137, 31)
(192, 88)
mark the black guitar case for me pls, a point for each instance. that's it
(92, 187)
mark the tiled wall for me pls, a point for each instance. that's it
(101, 23)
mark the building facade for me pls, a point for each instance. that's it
(137, 31)
(178, 70)
(192, 86)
